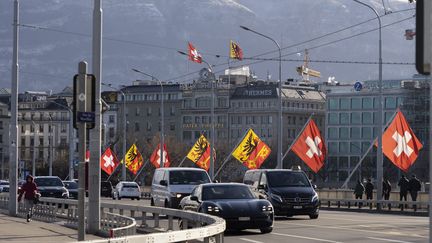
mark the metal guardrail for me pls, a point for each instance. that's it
(372, 204)
(122, 221)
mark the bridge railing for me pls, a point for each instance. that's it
(372, 204)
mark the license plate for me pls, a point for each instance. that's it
(298, 207)
(244, 218)
(130, 190)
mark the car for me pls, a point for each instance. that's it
(72, 187)
(127, 189)
(4, 186)
(106, 189)
(234, 202)
(51, 186)
(289, 191)
(170, 185)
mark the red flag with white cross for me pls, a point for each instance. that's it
(310, 147)
(194, 56)
(400, 144)
(155, 158)
(109, 161)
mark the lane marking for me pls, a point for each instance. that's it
(249, 240)
(389, 240)
(306, 238)
(410, 221)
(358, 230)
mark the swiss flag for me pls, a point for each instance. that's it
(155, 157)
(194, 56)
(109, 161)
(310, 147)
(400, 144)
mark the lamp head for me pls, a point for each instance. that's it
(244, 27)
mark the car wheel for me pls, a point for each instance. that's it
(138, 198)
(313, 216)
(266, 230)
(132, 198)
(118, 197)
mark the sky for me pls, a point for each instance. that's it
(146, 34)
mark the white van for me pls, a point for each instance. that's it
(170, 185)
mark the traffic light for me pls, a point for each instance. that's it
(423, 36)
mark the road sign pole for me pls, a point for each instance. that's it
(80, 98)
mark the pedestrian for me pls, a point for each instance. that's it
(386, 189)
(414, 188)
(369, 189)
(29, 190)
(358, 191)
(403, 189)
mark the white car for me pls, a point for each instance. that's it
(4, 186)
(127, 189)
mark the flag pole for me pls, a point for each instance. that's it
(298, 135)
(142, 167)
(229, 155)
(181, 162)
(112, 173)
(345, 184)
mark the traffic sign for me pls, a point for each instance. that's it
(86, 117)
(358, 86)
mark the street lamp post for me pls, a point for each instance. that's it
(162, 134)
(36, 131)
(124, 128)
(380, 111)
(51, 137)
(212, 133)
(280, 118)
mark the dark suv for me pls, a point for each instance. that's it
(290, 191)
(51, 186)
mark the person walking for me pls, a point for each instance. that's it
(29, 190)
(414, 188)
(369, 189)
(403, 189)
(358, 191)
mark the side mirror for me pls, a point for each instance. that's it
(163, 183)
(215, 181)
(314, 186)
(194, 198)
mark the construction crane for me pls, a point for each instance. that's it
(305, 71)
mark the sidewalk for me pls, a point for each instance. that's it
(14, 229)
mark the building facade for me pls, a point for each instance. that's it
(351, 127)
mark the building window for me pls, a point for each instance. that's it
(333, 147)
(390, 103)
(355, 132)
(355, 147)
(197, 119)
(149, 126)
(137, 128)
(172, 112)
(333, 104)
(344, 103)
(355, 118)
(172, 127)
(356, 103)
(344, 118)
(111, 132)
(22, 129)
(187, 119)
(111, 118)
(367, 118)
(63, 128)
(343, 147)
(332, 119)
(41, 128)
(203, 102)
(149, 111)
(32, 128)
(333, 132)
(23, 142)
(367, 103)
(1, 124)
(41, 142)
(344, 132)
(366, 132)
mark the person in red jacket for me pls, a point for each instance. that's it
(29, 190)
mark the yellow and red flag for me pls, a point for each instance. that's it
(235, 51)
(251, 152)
(400, 144)
(200, 153)
(134, 159)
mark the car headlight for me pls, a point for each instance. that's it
(267, 208)
(315, 197)
(213, 209)
(175, 194)
(276, 197)
(65, 193)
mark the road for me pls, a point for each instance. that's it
(333, 226)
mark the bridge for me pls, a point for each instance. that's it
(340, 220)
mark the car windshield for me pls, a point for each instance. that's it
(226, 192)
(287, 179)
(130, 185)
(188, 177)
(4, 183)
(48, 182)
(71, 185)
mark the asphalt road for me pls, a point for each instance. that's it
(332, 226)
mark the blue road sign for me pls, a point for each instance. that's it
(86, 117)
(358, 86)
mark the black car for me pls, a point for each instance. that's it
(289, 191)
(51, 186)
(72, 187)
(106, 189)
(234, 202)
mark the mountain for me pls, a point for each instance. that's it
(145, 34)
